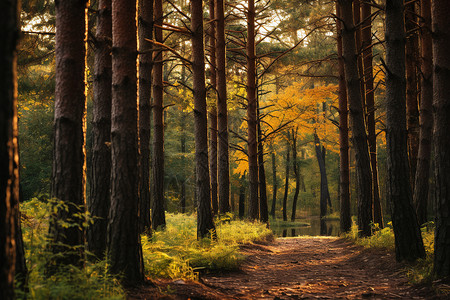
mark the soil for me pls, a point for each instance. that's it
(300, 268)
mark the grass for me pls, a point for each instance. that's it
(176, 252)
(91, 282)
(279, 223)
(419, 272)
(172, 253)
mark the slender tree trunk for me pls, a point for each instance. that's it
(286, 184)
(183, 150)
(99, 198)
(183, 141)
(212, 115)
(275, 186)
(366, 12)
(251, 114)
(412, 107)
(222, 110)
(295, 164)
(145, 31)
(124, 244)
(344, 171)
(408, 240)
(421, 186)
(9, 154)
(69, 162)
(158, 213)
(242, 198)
(324, 193)
(205, 224)
(359, 137)
(358, 45)
(263, 206)
(441, 105)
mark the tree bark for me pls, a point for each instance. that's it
(99, 198)
(253, 211)
(69, 161)
(9, 154)
(212, 114)
(408, 240)
(286, 184)
(183, 150)
(242, 199)
(158, 213)
(275, 186)
(295, 164)
(124, 245)
(145, 31)
(344, 170)
(205, 224)
(412, 106)
(359, 137)
(421, 186)
(366, 12)
(358, 45)
(263, 206)
(441, 108)
(324, 193)
(222, 110)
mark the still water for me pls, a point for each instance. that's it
(316, 227)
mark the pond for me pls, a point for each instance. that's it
(315, 227)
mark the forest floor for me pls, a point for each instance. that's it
(300, 268)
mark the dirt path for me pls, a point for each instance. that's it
(299, 268)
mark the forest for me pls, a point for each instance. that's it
(149, 144)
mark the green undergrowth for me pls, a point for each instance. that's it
(279, 223)
(172, 253)
(176, 252)
(334, 216)
(90, 282)
(419, 272)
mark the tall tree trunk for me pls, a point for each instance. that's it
(69, 162)
(408, 240)
(158, 213)
(205, 224)
(358, 45)
(295, 164)
(286, 183)
(359, 137)
(344, 170)
(253, 211)
(145, 31)
(183, 150)
(212, 114)
(124, 244)
(242, 198)
(222, 110)
(366, 13)
(412, 107)
(324, 193)
(9, 154)
(441, 105)
(99, 198)
(263, 206)
(275, 185)
(421, 186)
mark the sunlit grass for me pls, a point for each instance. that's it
(419, 272)
(91, 282)
(172, 253)
(279, 223)
(176, 252)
